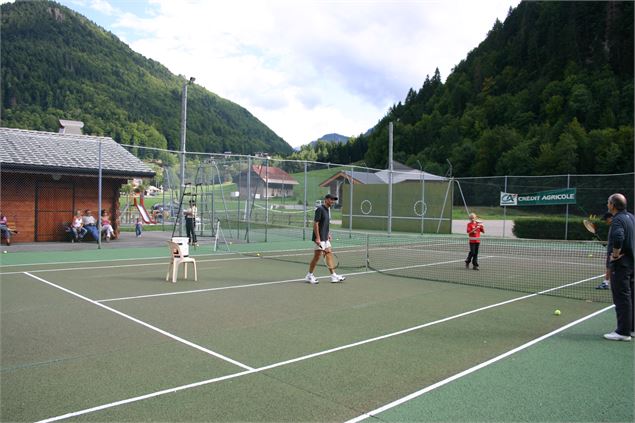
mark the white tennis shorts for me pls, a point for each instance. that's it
(323, 245)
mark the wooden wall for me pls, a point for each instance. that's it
(39, 207)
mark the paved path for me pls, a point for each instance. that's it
(126, 240)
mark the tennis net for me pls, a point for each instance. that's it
(566, 268)
(571, 269)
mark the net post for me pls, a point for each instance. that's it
(367, 251)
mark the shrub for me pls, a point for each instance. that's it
(554, 228)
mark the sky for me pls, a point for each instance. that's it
(305, 68)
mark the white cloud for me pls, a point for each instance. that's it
(103, 6)
(306, 68)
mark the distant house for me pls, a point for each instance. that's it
(267, 181)
(401, 173)
(45, 176)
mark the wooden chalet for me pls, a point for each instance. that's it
(46, 176)
(267, 182)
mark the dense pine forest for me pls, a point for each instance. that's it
(57, 64)
(549, 91)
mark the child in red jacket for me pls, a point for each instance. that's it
(474, 230)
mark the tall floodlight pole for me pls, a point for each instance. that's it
(390, 169)
(183, 131)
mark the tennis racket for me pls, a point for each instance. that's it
(592, 228)
(331, 260)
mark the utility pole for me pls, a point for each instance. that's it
(183, 134)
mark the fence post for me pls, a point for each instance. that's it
(505, 209)
(423, 198)
(350, 211)
(266, 196)
(99, 200)
(305, 198)
(566, 217)
(249, 200)
(390, 169)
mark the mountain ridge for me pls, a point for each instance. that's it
(56, 63)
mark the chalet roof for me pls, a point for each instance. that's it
(407, 175)
(383, 177)
(67, 153)
(274, 174)
(358, 177)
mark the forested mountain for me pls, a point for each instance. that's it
(57, 64)
(549, 91)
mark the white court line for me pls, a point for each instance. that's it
(229, 253)
(194, 291)
(147, 325)
(123, 265)
(222, 288)
(302, 358)
(434, 386)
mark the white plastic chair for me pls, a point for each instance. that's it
(177, 257)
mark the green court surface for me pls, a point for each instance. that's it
(101, 336)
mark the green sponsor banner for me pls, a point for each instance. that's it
(543, 198)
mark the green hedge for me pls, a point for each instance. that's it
(554, 228)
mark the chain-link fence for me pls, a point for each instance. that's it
(254, 199)
(482, 195)
(241, 199)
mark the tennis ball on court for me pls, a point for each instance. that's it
(590, 255)
(4, 252)
(257, 254)
(557, 312)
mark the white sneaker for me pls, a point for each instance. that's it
(337, 278)
(614, 336)
(310, 278)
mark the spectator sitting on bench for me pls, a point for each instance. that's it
(90, 224)
(5, 231)
(77, 229)
(106, 227)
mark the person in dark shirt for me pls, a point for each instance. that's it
(620, 246)
(322, 239)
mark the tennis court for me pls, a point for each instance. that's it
(411, 335)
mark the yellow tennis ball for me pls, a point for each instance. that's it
(557, 312)
(258, 254)
(590, 255)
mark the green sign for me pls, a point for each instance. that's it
(543, 198)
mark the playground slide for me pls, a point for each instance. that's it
(144, 213)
